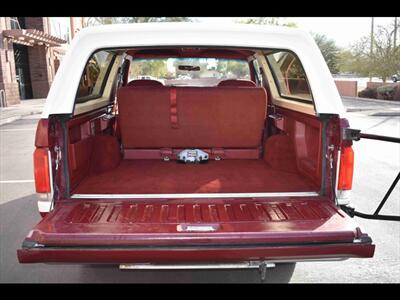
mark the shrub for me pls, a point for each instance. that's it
(368, 93)
(386, 92)
(396, 96)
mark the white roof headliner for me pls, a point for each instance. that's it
(61, 97)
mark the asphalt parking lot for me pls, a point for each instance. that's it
(377, 164)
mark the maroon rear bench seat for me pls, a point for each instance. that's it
(161, 121)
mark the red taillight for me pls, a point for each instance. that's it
(41, 168)
(346, 169)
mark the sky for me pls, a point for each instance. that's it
(344, 30)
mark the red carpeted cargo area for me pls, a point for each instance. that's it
(225, 176)
(225, 120)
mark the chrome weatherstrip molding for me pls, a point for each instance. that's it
(237, 265)
(199, 195)
(206, 266)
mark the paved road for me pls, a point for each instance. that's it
(376, 166)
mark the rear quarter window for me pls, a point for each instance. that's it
(289, 76)
(94, 76)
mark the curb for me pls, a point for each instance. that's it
(9, 120)
(374, 113)
(386, 114)
(370, 99)
(17, 117)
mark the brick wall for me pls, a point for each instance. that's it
(373, 85)
(40, 60)
(38, 67)
(347, 88)
(12, 93)
(35, 23)
(8, 81)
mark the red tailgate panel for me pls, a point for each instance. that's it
(149, 230)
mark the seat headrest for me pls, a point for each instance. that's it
(237, 82)
(145, 82)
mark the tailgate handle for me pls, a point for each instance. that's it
(196, 228)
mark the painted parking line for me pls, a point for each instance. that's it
(17, 181)
(18, 129)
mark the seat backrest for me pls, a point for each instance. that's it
(207, 117)
(237, 82)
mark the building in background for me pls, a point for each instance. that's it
(31, 49)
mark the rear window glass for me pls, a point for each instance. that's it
(189, 71)
(95, 75)
(289, 76)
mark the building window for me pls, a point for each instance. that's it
(60, 27)
(14, 23)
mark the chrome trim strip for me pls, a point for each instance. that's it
(235, 265)
(195, 195)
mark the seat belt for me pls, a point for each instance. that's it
(173, 108)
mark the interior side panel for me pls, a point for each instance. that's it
(82, 134)
(305, 132)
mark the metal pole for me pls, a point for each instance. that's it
(387, 194)
(3, 101)
(372, 43)
(395, 32)
(72, 27)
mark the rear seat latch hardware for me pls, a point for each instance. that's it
(192, 156)
(218, 153)
(166, 154)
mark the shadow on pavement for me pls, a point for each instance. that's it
(17, 217)
(282, 273)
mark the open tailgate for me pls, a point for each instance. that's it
(124, 231)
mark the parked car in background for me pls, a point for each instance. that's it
(396, 77)
(235, 173)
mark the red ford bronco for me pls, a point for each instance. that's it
(190, 146)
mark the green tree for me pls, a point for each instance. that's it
(383, 61)
(268, 21)
(346, 61)
(329, 51)
(153, 67)
(233, 67)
